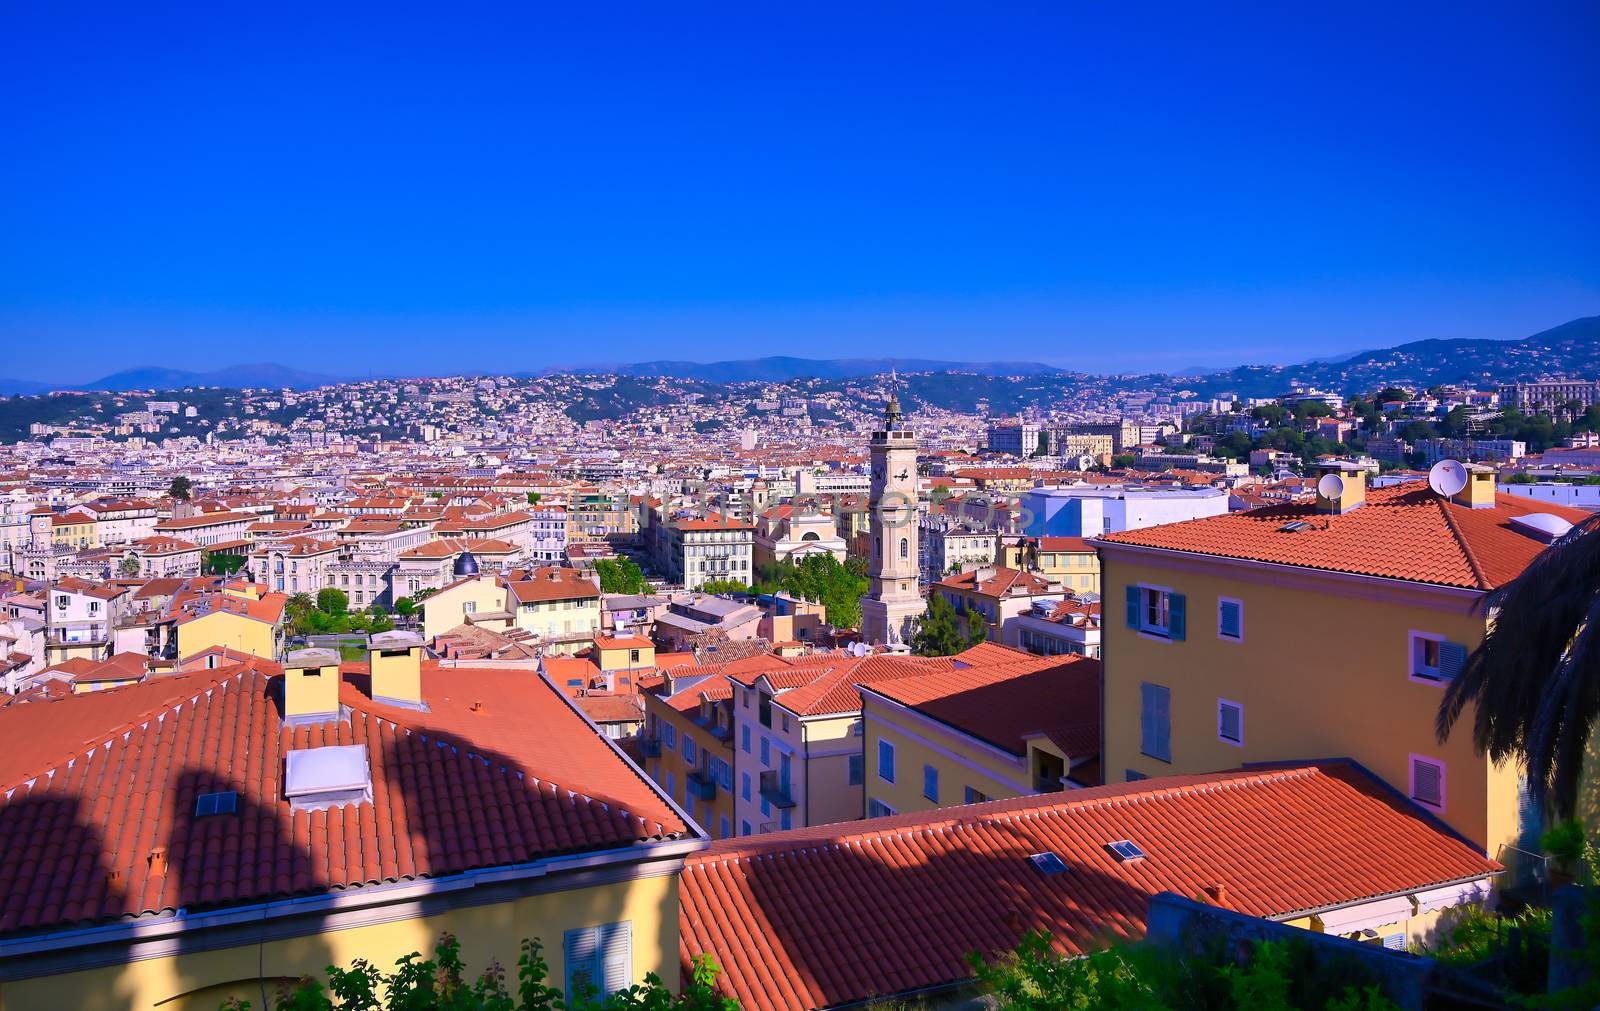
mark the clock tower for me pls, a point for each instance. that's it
(893, 605)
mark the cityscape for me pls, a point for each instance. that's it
(864, 664)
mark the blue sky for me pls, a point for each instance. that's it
(426, 189)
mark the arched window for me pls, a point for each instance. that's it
(905, 548)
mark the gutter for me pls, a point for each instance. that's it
(180, 922)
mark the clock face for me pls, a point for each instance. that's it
(901, 476)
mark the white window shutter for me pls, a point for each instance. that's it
(616, 955)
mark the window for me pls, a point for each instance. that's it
(1433, 658)
(1134, 775)
(469, 607)
(744, 828)
(786, 819)
(744, 738)
(878, 809)
(905, 548)
(857, 771)
(930, 783)
(1427, 782)
(671, 786)
(1157, 611)
(725, 828)
(766, 752)
(599, 958)
(766, 710)
(974, 796)
(669, 737)
(786, 724)
(744, 786)
(886, 760)
(1155, 721)
(1230, 619)
(745, 697)
(1230, 722)
(207, 804)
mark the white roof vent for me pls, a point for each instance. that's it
(316, 778)
(1541, 526)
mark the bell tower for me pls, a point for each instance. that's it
(893, 604)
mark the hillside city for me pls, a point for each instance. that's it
(810, 680)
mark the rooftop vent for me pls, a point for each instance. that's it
(1047, 863)
(1541, 526)
(207, 804)
(1125, 851)
(317, 778)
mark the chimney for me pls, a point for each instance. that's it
(1341, 487)
(396, 660)
(158, 862)
(1217, 892)
(311, 686)
(1480, 488)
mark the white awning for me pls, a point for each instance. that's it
(1452, 895)
(1377, 913)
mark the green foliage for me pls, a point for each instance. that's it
(837, 586)
(620, 575)
(441, 983)
(332, 601)
(1521, 478)
(405, 607)
(1044, 445)
(977, 628)
(129, 566)
(1471, 934)
(940, 632)
(422, 595)
(1267, 976)
(1566, 842)
(534, 497)
(223, 565)
(1122, 461)
(719, 586)
(181, 488)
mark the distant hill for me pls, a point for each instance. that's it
(779, 369)
(234, 377)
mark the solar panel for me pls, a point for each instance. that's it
(225, 802)
(1125, 851)
(1048, 863)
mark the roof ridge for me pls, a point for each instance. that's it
(1466, 548)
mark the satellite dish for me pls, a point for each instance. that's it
(1447, 478)
(1330, 487)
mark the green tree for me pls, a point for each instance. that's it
(405, 607)
(423, 594)
(823, 579)
(534, 497)
(721, 586)
(441, 983)
(1044, 445)
(939, 632)
(129, 566)
(1534, 679)
(977, 628)
(620, 575)
(180, 488)
(332, 601)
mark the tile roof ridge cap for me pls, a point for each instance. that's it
(88, 746)
(1466, 548)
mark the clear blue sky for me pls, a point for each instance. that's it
(429, 188)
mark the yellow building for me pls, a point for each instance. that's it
(1009, 725)
(1070, 561)
(236, 618)
(1310, 631)
(688, 745)
(560, 606)
(75, 529)
(480, 599)
(242, 827)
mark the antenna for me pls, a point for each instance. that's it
(1447, 478)
(1330, 487)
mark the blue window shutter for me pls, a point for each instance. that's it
(1176, 623)
(1133, 607)
(581, 956)
(1452, 658)
(1164, 724)
(1230, 619)
(1147, 719)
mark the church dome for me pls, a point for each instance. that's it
(466, 565)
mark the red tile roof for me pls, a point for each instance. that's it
(500, 770)
(823, 916)
(1004, 704)
(553, 584)
(1402, 532)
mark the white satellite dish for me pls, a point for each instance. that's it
(1447, 478)
(1330, 487)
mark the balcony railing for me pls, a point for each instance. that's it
(701, 785)
(650, 747)
(775, 791)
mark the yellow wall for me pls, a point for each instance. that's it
(960, 761)
(1077, 570)
(445, 609)
(311, 691)
(397, 673)
(828, 803)
(203, 980)
(708, 813)
(1322, 672)
(75, 535)
(224, 628)
(620, 659)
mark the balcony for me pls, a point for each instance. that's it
(649, 747)
(774, 791)
(701, 785)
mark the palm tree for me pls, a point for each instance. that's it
(1535, 678)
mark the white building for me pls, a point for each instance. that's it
(1088, 511)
